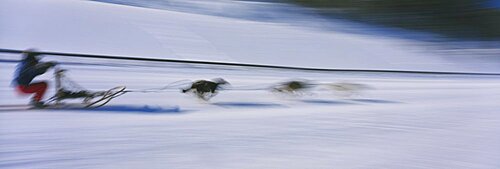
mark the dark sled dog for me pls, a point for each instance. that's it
(292, 87)
(205, 89)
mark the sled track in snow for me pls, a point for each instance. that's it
(134, 58)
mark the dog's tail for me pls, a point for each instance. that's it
(185, 90)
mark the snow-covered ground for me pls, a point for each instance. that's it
(404, 121)
(100, 28)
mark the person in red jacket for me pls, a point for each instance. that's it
(27, 70)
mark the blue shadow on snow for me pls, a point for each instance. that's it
(319, 101)
(246, 104)
(373, 101)
(146, 109)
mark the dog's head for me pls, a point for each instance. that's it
(220, 81)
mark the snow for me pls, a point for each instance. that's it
(75, 26)
(404, 121)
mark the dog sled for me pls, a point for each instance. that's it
(67, 89)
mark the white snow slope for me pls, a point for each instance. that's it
(404, 121)
(99, 28)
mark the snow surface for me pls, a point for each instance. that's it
(404, 121)
(100, 28)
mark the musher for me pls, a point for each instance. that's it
(26, 71)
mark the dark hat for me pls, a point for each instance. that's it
(30, 54)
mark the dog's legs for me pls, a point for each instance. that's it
(205, 95)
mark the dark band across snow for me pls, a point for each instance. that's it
(132, 58)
